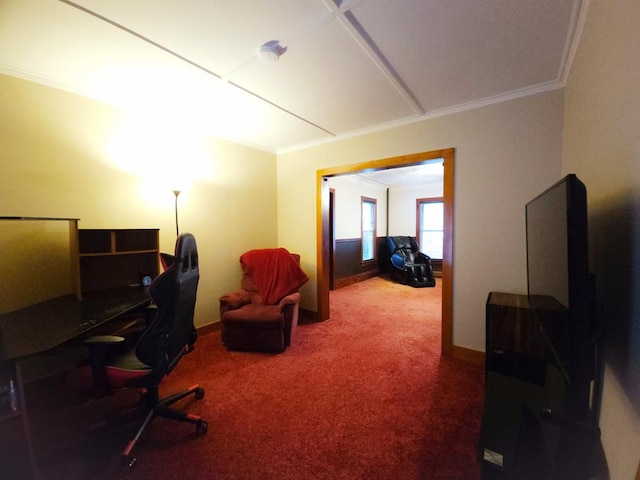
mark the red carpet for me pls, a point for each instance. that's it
(364, 395)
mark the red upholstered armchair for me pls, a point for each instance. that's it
(263, 314)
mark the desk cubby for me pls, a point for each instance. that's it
(117, 257)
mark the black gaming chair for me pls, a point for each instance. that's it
(170, 335)
(412, 266)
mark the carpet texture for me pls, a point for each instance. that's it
(363, 395)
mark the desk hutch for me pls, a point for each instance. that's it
(103, 267)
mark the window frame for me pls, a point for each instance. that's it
(374, 248)
(419, 203)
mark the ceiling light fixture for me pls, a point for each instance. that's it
(270, 52)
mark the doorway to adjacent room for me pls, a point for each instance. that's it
(323, 222)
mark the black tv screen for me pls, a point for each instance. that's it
(558, 268)
(557, 243)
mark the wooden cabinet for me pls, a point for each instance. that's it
(18, 458)
(116, 258)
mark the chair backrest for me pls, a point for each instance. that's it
(171, 334)
(405, 246)
(270, 274)
(248, 284)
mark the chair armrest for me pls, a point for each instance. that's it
(103, 340)
(99, 345)
(424, 256)
(233, 300)
(291, 299)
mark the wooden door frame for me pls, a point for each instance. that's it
(322, 230)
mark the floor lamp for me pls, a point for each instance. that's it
(176, 193)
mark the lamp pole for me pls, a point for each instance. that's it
(176, 193)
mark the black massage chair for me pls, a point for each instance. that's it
(412, 266)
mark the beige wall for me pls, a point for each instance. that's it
(348, 203)
(65, 156)
(402, 207)
(505, 155)
(602, 146)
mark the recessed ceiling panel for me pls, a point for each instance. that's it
(220, 35)
(458, 51)
(326, 77)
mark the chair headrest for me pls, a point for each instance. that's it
(186, 251)
(402, 242)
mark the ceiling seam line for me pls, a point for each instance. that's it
(308, 122)
(369, 46)
(190, 62)
(359, 34)
(140, 37)
(366, 43)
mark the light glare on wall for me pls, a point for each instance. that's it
(164, 156)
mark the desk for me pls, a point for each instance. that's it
(46, 325)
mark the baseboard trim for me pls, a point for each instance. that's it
(467, 354)
(307, 316)
(358, 277)
(209, 328)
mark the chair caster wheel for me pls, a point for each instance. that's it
(128, 461)
(199, 393)
(202, 427)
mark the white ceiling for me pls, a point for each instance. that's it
(425, 174)
(350, 66)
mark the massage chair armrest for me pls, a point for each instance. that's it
(291, 299)
(426, 258)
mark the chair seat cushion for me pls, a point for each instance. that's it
(123, 369)
(255, 315)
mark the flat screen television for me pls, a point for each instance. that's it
(558, 274)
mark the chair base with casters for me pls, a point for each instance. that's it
(113, 368)
(161, 407)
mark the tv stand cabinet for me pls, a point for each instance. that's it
(526, 433)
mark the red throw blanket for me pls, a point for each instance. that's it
(274, 271)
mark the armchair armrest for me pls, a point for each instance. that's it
(233, 300)
(291, 299)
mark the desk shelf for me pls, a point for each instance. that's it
(111, 258)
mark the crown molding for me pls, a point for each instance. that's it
(463, 107)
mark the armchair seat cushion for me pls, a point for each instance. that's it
(255, 315)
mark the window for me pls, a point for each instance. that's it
(430, 213)
(368, 229)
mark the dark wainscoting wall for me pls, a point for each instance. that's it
(349, 269)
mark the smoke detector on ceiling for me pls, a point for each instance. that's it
(270, 52)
